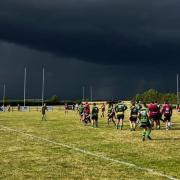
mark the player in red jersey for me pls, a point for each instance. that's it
(167, 112)
(103, 109)
(153, 113)
(86, 113)
(66, 108)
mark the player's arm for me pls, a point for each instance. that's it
(115, 109)
(125, 107)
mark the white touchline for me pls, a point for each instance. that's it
(150, 171)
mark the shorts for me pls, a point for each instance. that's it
(110, 116)
(159, 116)
(120, 116)
(167, 118)
(133, 119)
(94, 118)
(145, 125)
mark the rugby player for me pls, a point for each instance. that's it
(111, 114)
(43, 111)
(133, 116)
(143, 116)
(120, 108)
(86, 113)
(153, 113)
(167, 112)
(103, 109)
(94, 115)
(81, 110)
(65, 108)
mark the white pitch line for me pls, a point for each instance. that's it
(150, 171)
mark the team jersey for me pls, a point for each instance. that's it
(66, 106)
(110, 110)
(143, 116)
(81, 109)
(95, 111)
(87, 109)
(153, 110)
(103, 108)
(120, 108)
(167, 110)
(134, 111)
(44, 108)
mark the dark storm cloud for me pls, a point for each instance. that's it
(65, 77)
(107, 32)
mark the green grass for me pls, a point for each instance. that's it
(23, 157)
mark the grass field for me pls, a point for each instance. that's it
(62, 148)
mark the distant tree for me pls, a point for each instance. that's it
(154, 95)
(54, 99)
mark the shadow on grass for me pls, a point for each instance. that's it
(166, 139)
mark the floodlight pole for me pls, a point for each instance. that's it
(25, 87)
(83, 93)
(4, 94)
(177, 89)
(43, 86)
(91, 93)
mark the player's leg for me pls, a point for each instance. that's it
(169, 122)
(117, 122)
(144, 133)
(158, 123)
(166, 122)
(121, 122)
(130, 123)
(92, 121)
(113, 120)
(108, 120)
(134, 124)
(96, 121)
(148, 133)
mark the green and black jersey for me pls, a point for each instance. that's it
(143, 117)
(94, 112)
(80, 109)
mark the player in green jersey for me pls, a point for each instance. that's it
(145, 122)
(94, 115)
(81, 110)
(120, 108)
(133, 116)
(111, 114)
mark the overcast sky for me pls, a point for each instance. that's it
(119, 47)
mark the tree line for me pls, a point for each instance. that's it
(154, 95)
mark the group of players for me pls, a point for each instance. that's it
(147, 116)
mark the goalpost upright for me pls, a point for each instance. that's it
(43, 79)
(91, 93)
(25, 86)
(4, 94)
(177, 89)
(83, 93)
